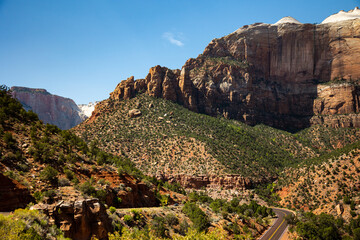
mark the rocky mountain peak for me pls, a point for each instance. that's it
(287, 19)
(343, 16)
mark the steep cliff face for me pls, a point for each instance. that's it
(60, 111)
(13, 194)
(287, 75)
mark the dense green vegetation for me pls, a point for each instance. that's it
(324, 226)
(36, 153)
(241, 149)
(197, 216)
(221, 206)
(29, 225)
(10, 108)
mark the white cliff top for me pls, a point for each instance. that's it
(87, 109)
(342, 16)
(287, 20)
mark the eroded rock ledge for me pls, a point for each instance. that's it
(230, 181)
(81, 220)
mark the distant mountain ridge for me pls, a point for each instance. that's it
(60, 111)
(87, 109)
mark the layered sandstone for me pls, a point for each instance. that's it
(230, 181)
(53, 109)
(81, 220)
(279, 74)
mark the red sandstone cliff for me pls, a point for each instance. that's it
(60, 111)
(285, 75)
(82, 219)
(13, 194)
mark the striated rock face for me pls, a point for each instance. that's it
(81, 220)
(287, 75)
(60, 111)
(13, 195)
(230, 181)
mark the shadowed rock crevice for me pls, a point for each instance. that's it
(13, 195)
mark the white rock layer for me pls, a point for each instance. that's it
(343, 16)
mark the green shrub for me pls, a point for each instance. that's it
(49, 174)
(171, 219)
(217, 204)
(352, 205)
(63, 182)
(38, 196)
(158, 227)
(87, 188)
(199, 197)
(347, 200)
(28, 224)
(69, 174)
(112, 209)
(175, 187)
(321, 226)
(234, 202)
(9, 140)
(101, 195)
(128, 219)
(356, 233)
(184, 227)
(197, 216)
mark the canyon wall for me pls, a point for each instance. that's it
(286, 75)
(53, 109)
(229, 181)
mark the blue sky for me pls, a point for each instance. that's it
(82, 49)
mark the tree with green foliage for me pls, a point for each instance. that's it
(158, 227)
(49, 174)
(199, 219)
(323, 226)
(29, 225)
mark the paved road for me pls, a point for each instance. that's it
(277, 230)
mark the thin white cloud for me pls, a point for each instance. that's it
(171, 38)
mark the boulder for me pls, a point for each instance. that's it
(134, 113)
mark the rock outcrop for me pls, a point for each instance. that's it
(81, 220)
(287, 75)
(132, 192)
(53, 109)
(230, 181)
(13, 195)
(134, 113)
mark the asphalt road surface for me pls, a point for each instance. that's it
(277, 230)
